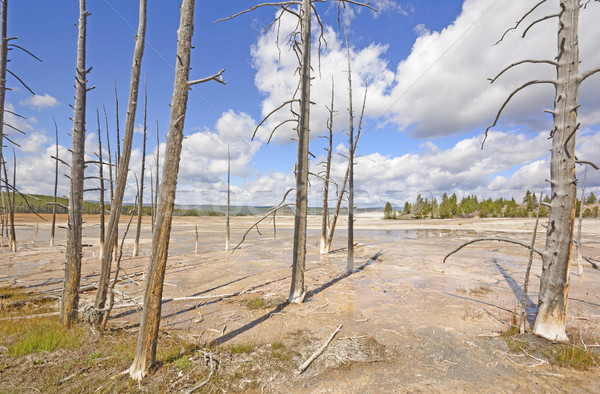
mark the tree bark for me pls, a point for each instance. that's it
(554, 282)
(136, 245)
(146, 346)
(297, 290)
(70, 296)
(123, 163)
(325, 219)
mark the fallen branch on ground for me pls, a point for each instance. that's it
(320, 351)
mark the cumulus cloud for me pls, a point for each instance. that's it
(442, 87)
(40, 102)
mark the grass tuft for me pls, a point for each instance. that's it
(571, 356)
(241, 348)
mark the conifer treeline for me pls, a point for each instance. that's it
(470, 206)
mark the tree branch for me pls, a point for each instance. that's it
(512, 241)
(552, 62)
(278, 207)
(271, 113)
(19, 79)
(367, 5)
(538, 21)
(26, 51)
(218, 77)
(520, 20)
(279, 125)
(277, 4)
(534, 82)
(587, 74)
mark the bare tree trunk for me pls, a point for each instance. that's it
(579, 256)
(101, 175)
(156, 183)
(110, 163)
(146, 346)
(297, 289)
(3, 66)
(350, 259)
(554, 282)
(53, 228)
(12, 237)
(123, 163)
(228, 199)
(136, 245)
(325, 219)
(70, 296)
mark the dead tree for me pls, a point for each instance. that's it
(70, 296)
(342, 190)
(550, 321)
(101, 176)
(146, 345)
(3, 68)
(123, 163)
(327, 175)
(10, 212)
(350, 258)
(228, 199)
(136, 245)
(156, 183)
(302, 49)
(53, 227)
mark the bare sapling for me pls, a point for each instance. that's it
(138, 230)
(524, 301)
(123, 162)
(327, 175)
(550, 321)
(578, 241)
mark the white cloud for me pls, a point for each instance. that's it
(40, 102)
(442, 87)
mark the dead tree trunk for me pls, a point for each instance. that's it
(101, 175)
(136, 245)
(325, 219)
(3, 67)
(123, 163)
(53, 228)
(10, 213)
(70, 296)
(146, 346)
(350, 259)
(228, 199)
(156, 176)
(297, 290)
(550, 321)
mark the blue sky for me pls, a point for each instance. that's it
(428, 101)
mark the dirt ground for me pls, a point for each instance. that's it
(410, 323)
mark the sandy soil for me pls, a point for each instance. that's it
(410, 322)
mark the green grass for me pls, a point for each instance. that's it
(241, 348)
(256, 303)
(571, 356)
(42, 335)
